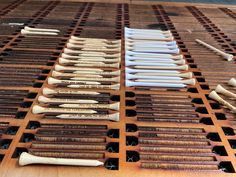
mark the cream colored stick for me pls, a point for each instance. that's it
(79, 70)
(72, 62)
(226, 56)
(222, 90)
(97, 59)
(115, 65)
(41, 29)
(28, 159)
(232, 82)
(89, 48)
(68, 68)
(112, 117)
(94, 40)
(90, 53)
(112, 87)
(49, 91)
(213, 95)
(113, 79)
(43, 99)
(94, 44)
(113, 106)
(52, 81)
(113, 73)
(39, 110)
(25, 32)
(88, 63)
(69, 75)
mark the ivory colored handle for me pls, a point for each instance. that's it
(113, 117)
(113, 73)
(114, 106)
(28, 159)
(114, 86)
(25, 32)
(115, 65)
(95, 40)
(41, 29)
(222, 90)
(63, 68)
(52, 81)
(48, 91)
(232, 82)
(213, 95)
(38, 110)
(227, 56)
(43, 99)
(114, 79)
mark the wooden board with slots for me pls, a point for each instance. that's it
(123, 89)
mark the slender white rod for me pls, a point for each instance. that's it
(112, 117)
(53, 81)
(49, 91)
(25, 32)
(28, 159)
(232, 82)
(153, 55)
(27, 28)
(222, 90)
(145, 84)
(213, 95)
(186, 81)
(39, 110)
(226, 56)
(133, 76)
(183, 67)
(43, 99)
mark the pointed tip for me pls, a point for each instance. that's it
(99, 163)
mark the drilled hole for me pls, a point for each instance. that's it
(130, 113)
(132, 156)
(131, 141)
(213, 137)
(220, 150)
(27, 137)
(131, 128)
(113, 133)
(130, 103)
(228, 131)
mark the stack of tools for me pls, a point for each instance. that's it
(153, 60)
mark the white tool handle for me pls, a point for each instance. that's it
(213, 95)
(227, 56)
(145, 84)
(222, 90)
(27, 159)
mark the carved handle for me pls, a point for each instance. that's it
(27, 159)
